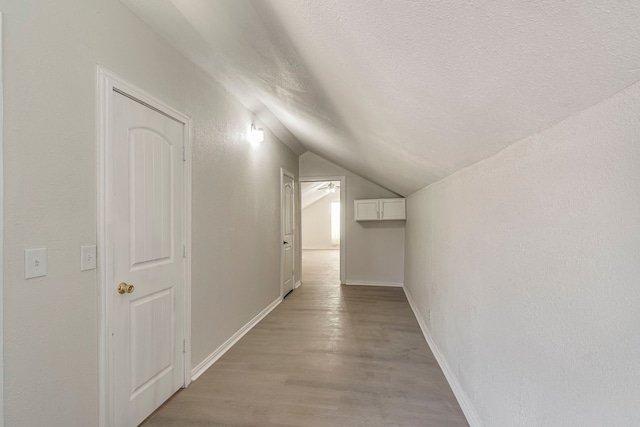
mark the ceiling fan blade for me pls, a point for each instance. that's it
(329, 186)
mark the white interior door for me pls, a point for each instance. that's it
(148, 236)
(288, 233)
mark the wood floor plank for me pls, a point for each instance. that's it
(329, 355)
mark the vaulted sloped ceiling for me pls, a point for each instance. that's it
(405, 92)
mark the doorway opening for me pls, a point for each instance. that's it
(322, 204)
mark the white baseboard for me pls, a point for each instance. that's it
(367, 283)
(462, 397)
(297, 285)
(217, 354)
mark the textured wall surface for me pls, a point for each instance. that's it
(528, 266)
(51, 323)
(236, 217)
(375, 249)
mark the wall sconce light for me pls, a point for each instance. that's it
(257, 134)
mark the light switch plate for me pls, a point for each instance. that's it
(35, 263)
(87, 258)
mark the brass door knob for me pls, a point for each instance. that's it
(123, 288)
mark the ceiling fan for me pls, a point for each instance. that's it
(330, 187)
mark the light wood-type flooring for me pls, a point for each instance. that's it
(329, 355)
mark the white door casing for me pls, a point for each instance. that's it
(144, 230)
(288, 231)
(1, 228)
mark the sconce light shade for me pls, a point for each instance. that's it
(257, 134)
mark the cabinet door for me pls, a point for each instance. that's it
(366, 210)
(392, 209)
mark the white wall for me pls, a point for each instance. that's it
(529, 263)
(51, 323)
(374, 250)
(236, 219)
(316, 223)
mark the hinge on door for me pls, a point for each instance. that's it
(184, 154)
(184, 251)
(184, 345)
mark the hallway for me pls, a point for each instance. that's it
(329, 355)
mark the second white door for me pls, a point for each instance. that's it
(288, 233)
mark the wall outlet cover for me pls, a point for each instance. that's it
(35, 263)
(87, 257)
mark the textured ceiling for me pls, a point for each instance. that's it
(407, 92)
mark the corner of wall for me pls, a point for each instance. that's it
(463, 399)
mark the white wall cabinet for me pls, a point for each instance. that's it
(380, 209)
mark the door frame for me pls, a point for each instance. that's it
(107, 82)
(1, 226)
(343, 218)
(283, 173)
